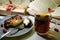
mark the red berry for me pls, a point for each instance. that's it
(49, 9)
(10, 1)
(4, 30)
(10, 5)
(1, 25)
(13, 8)
(56, 30)
(9, 8)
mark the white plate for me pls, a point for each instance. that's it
(21, 32)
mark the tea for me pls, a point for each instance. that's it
(42, 23)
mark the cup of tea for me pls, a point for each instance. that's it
(42, 23)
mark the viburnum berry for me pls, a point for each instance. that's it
(1, 25)
(9, 8)
(4, 30)
(10, 1)
(55, 29)
(13, 8)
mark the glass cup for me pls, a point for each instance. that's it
(42, 23)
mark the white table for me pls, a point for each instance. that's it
(34, 35)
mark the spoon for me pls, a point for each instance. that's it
(6, 33)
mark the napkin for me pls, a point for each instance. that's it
(56, 13)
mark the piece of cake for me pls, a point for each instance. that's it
(13, 21)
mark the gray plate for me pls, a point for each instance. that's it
(21, 32)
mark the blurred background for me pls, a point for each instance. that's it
(28, 1)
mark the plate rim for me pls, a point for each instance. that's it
(24, 32)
